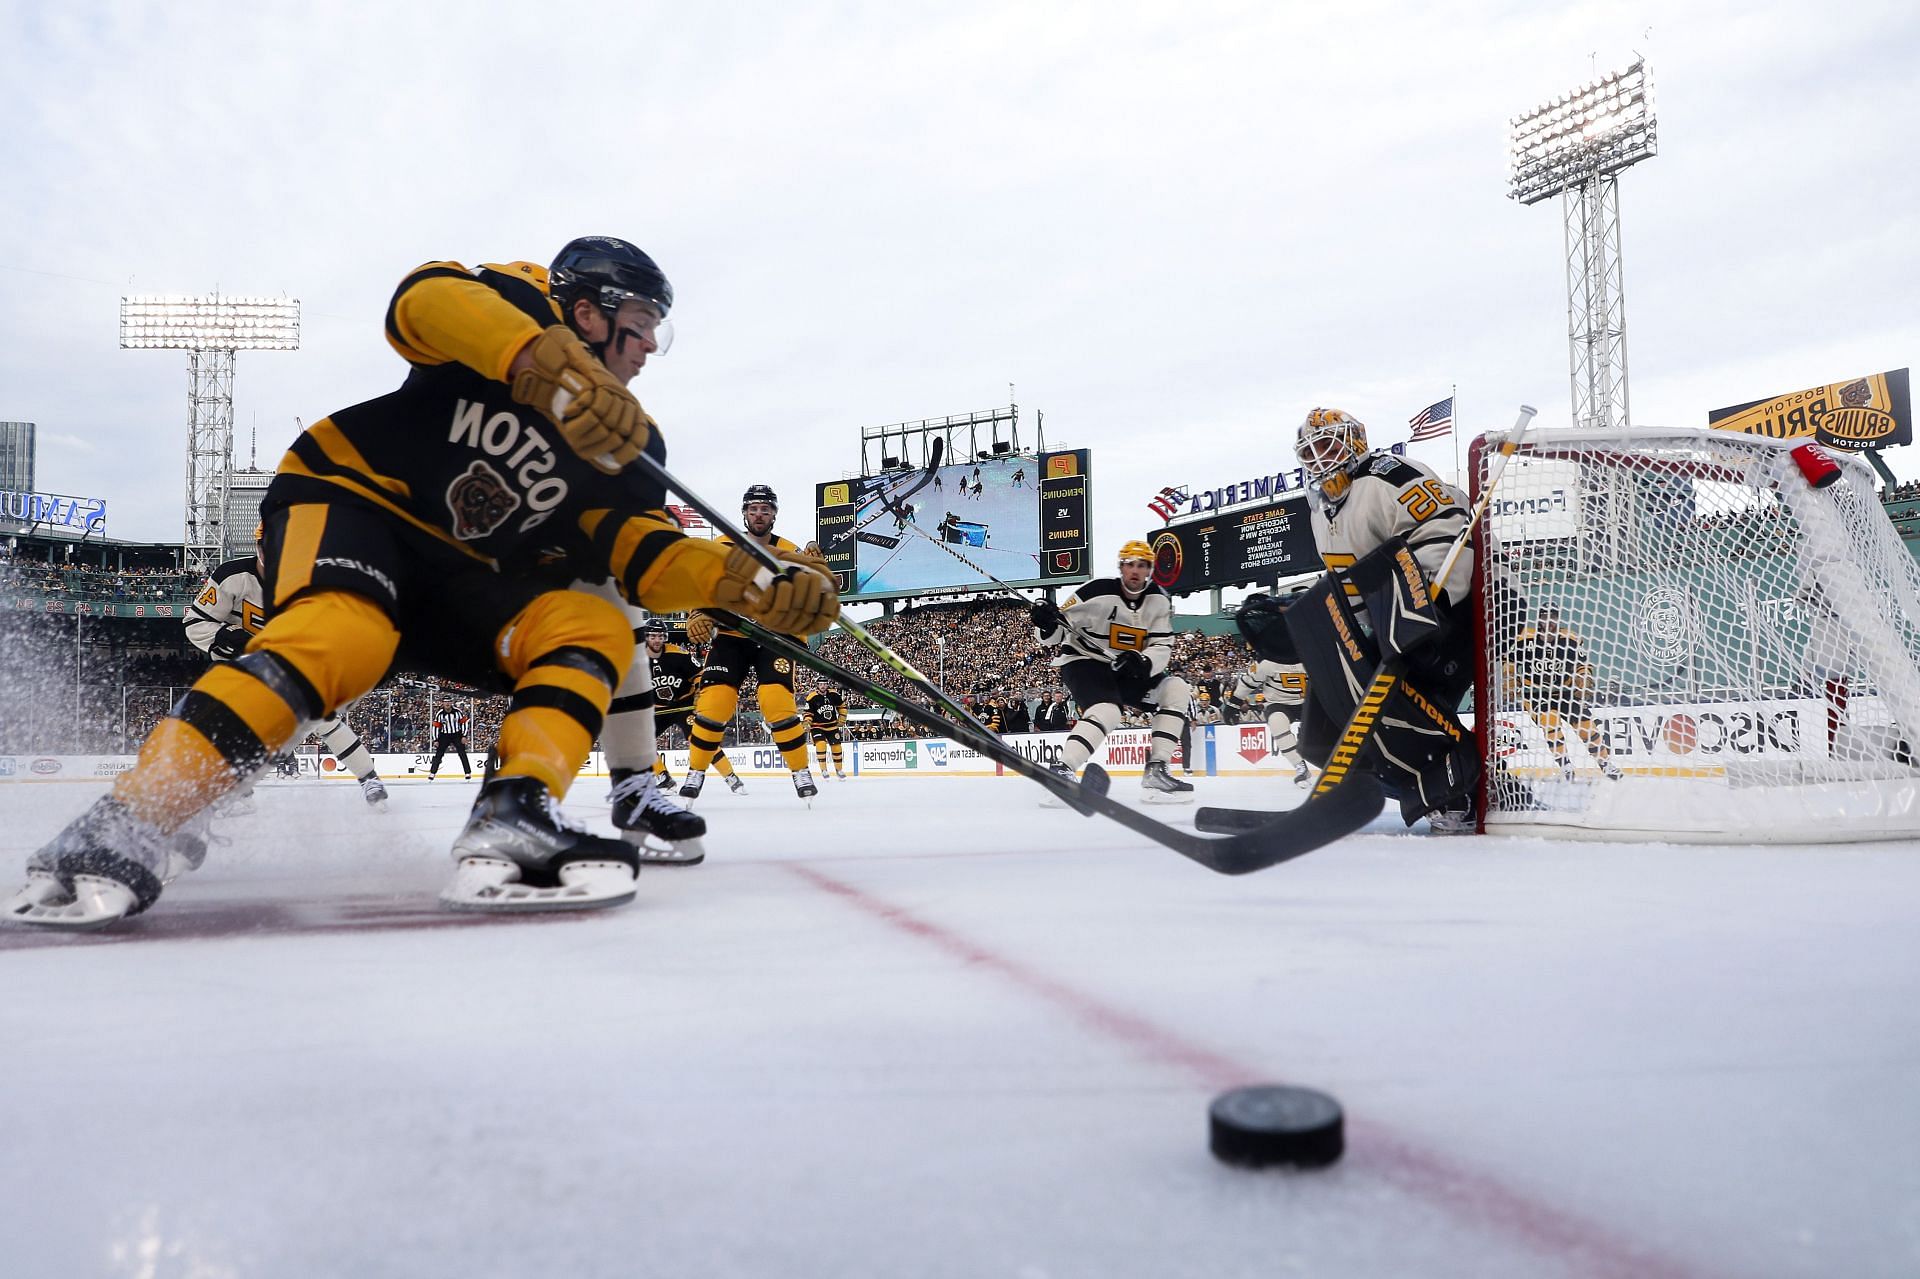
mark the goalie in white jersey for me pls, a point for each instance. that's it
(229, 612)
(1116, 649)
(1383, 526)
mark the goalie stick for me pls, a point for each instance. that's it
(1359, 730)
(1291, 834)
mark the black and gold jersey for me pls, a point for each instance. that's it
(1550, 663)
(776, 542)
(675, 674)
(451, 454)
(823, 710)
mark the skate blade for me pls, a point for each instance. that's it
(487, 884)
(1166, 797)
(94, 903)
(654, 851)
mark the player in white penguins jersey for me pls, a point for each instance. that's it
(1116, 646)
(1383, 526)
(228, 612)
(1281, 688)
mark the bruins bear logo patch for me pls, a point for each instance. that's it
(480, 501)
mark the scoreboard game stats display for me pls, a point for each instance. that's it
(1249, 545)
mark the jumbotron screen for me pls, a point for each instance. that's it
(1019, 517)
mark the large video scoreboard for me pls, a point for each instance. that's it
(1257, 545)
(1021, 517)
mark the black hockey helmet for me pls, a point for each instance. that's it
(607, 271)
(657, 626)
(759, 493)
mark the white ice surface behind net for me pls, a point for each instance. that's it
(929, 1029)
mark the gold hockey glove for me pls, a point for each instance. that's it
(800, 601)
(700, 629)
(598, 417)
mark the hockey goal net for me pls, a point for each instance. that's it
(1683, 639)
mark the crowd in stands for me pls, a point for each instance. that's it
(982, 652)
(72, 580)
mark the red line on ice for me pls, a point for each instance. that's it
(1417, 1172)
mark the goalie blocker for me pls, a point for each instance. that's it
(1418, 748)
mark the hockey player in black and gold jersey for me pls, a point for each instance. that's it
(391, 530)
(676, 677)
(733, 656)
(825, 723)
(1549, 669)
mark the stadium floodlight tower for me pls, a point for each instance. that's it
(210, 327)
(1575, 146)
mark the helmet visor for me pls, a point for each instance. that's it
(642, 322)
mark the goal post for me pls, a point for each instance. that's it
(1682, 638)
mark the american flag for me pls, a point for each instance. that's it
(1166, 502)
(1432, 422)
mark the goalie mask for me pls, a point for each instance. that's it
(1329, 441)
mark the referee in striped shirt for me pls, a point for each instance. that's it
(450, 724)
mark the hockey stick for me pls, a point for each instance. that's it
(1066, 623)
(1359, 730)
(1289, 835)
(1283, 837)
(888, 503)
(774, 566)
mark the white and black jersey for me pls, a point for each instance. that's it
(451, 721)
(230, 609)
(1277, 683)
(1101, 623)
(1380, 497)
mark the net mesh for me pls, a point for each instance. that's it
(1684, 638)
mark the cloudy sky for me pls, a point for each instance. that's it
(1173, 228)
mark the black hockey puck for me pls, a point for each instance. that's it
(1273, 1124)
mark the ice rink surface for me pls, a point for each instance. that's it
(930, 1029)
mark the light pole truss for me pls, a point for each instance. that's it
(1575, 146)
(211, 328)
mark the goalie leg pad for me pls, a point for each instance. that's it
(1340, 658)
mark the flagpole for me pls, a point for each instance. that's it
(1458, 479)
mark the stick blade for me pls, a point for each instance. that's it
(1296, 832)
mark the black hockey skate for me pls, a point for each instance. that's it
(659, 829)
(696, 779)
(803, 784)
(374, 791)
(107, 865)
(517, 855)
(1160, 786)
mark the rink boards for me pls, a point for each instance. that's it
(1218, 749)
